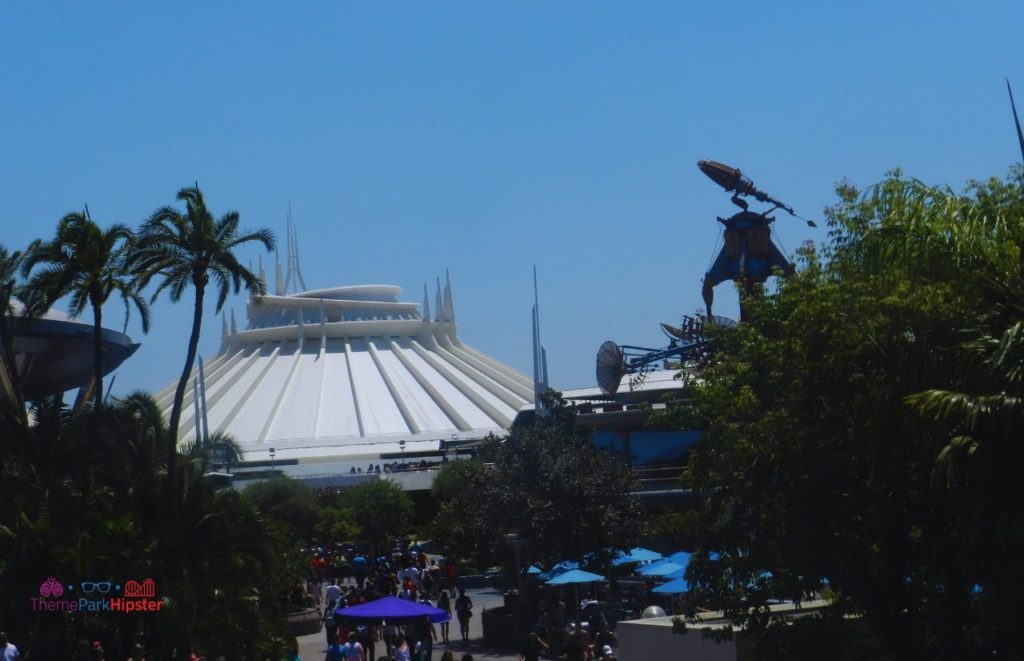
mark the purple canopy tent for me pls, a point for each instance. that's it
(392, 610)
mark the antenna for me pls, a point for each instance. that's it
(1016, 119)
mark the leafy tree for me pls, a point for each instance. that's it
(548, 484)
(193, 249)
(817, 470)
(88, 263)
(10, 264)
(382, 510)
(290, 503)
(80, 500)
(221, 447)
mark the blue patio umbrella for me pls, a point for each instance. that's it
(663, 568)
(679, 573)
(680, 558)
(637, 554)
(574, 576)
(678, 586)
(560, 568)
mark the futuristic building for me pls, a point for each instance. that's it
(55, 353)
(346, 374)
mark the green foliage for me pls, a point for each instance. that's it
(290, 503)
(87, 263)
(80, 500)
(548, 484)
(193, 249)
(864, 428)
(381, 510)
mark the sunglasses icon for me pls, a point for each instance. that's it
(102, 587)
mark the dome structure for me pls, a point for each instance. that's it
(55, 353)
(348, 373)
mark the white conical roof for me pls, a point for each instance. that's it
(350, 372)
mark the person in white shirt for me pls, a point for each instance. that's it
(11, 652)
(332, 591)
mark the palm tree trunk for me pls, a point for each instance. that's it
(97, 348)
(179, 392)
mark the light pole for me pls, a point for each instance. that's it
(272, 465)
(401, 444)
(517, 544)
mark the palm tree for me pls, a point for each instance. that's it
(193, 248)
(88, 263)
(221, 447)
(10, 262)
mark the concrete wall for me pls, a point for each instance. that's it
(643, 640)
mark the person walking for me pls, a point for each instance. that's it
(464, 611)
(353, 649)
(445, 604)
(533, 648)
(9, 649)
(401, 650)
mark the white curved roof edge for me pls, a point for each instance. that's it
(366, 447)
(311, 302)
(364, 328)
(365, 290)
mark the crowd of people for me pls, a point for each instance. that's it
(395, 467)
(340, 579)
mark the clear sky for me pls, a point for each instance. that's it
(484, 137)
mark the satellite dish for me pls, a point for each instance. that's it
(674, 332)
(722, 322)
(610, 367)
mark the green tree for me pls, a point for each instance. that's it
(221, 448)
(816, 463)
(546, 483)
(10, 264)
(194, 249)
(86, 262)
(381, 508)
(290, 503)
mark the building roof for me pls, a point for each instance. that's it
(350, 372)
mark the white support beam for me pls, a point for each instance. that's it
(410, 422)
(470, 394)
(283, 394)
(442, 403)
(355, 393)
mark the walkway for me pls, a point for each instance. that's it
(311, 647)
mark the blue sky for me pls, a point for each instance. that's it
(485, 137)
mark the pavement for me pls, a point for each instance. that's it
(312, 646)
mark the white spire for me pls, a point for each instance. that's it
(202, 398)
(234, 326)
(426, 304)
(438, 307)
(540, 356)
(223, 326)
(323, 325)
(449, 306)
(280, 285)
(294, 269)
